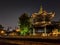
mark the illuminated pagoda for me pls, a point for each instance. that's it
(41, 19)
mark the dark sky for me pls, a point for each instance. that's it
(10, 10)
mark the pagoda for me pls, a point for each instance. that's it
(41, 19)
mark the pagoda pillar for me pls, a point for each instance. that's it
(45, 31)
(34, 32)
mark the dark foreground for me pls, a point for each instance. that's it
(41, 43)
(2, 43)
(28, 41)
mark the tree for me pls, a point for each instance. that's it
(1, 27)
(24, 24)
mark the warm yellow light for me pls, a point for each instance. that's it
(43, 34)
(37, 23)
(11, 34)
(17, 30)
(43, 22)
(52, 15)
(55, 32)
(2, 32)
(44, 13)
(33, 15)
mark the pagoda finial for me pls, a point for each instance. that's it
(41, 10)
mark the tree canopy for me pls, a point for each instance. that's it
(1, 27)
(24, 23)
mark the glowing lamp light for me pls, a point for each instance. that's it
(2, 32)
(17, 30)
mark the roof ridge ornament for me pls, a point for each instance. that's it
(41, 10)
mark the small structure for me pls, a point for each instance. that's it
(13, 33)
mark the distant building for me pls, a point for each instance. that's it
(13, 33)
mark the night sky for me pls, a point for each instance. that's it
(10, 10)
